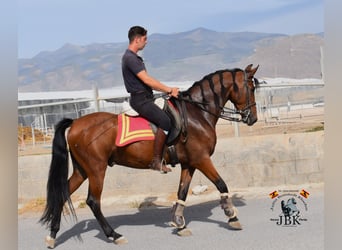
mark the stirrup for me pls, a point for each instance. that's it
(163, 168)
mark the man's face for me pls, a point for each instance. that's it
(141, 42)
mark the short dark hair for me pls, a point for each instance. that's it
(136, 31)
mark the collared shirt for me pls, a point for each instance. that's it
(131, 65)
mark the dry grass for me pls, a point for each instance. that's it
(35, 206)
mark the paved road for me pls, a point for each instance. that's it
(147, 228)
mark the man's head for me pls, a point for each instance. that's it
(137, 36)
(136, 31)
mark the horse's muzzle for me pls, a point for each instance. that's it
(249, 118)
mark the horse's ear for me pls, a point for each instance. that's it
(250, 72)
(255, 69)
(249, 68)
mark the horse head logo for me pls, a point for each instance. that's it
(290, 207)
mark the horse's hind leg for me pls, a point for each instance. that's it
(94, 202)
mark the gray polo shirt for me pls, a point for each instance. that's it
(131, 65)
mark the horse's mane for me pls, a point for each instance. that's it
(209, 79)
(210, 76)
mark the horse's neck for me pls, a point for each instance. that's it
(209, 108)
(201, 113)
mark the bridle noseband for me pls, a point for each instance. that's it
(227, 113)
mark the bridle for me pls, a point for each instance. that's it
(227, 113)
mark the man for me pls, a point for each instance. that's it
(140, 85)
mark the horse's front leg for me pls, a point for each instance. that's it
(178, 220)
(208, 169)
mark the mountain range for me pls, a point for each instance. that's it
(184, 56)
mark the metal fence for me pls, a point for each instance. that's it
(275, 104)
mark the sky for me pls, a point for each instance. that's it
(47, 25)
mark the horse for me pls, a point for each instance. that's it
(89, 140)
(290, 208)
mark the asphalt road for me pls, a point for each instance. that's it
(148, 229)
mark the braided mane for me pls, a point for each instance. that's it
(209, 78)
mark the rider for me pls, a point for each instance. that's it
(140, 85)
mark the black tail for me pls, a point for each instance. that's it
(57, 185)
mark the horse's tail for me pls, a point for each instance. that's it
(57, 185)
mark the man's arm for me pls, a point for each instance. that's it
(156, 85)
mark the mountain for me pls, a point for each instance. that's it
(173, 57)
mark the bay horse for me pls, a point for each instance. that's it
(90, 141)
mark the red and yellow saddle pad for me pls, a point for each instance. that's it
(132, 129)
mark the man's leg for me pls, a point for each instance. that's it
(158, 153)
(154, 114)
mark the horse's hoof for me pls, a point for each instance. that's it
(50, 242)
(120, 241)
(184, 232)
(177, 222)
(176, 225)
(234, 224)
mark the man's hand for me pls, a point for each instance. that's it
(174, 92)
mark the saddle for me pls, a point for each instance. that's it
(172, 108)
(176, 111)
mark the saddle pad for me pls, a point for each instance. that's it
(132, 129)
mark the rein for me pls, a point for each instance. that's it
(226, 113)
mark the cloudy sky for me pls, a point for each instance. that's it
(49, 24)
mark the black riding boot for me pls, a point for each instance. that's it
(159, 143)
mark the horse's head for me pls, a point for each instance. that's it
(242, 95)
(236, 85)
(291, 201)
